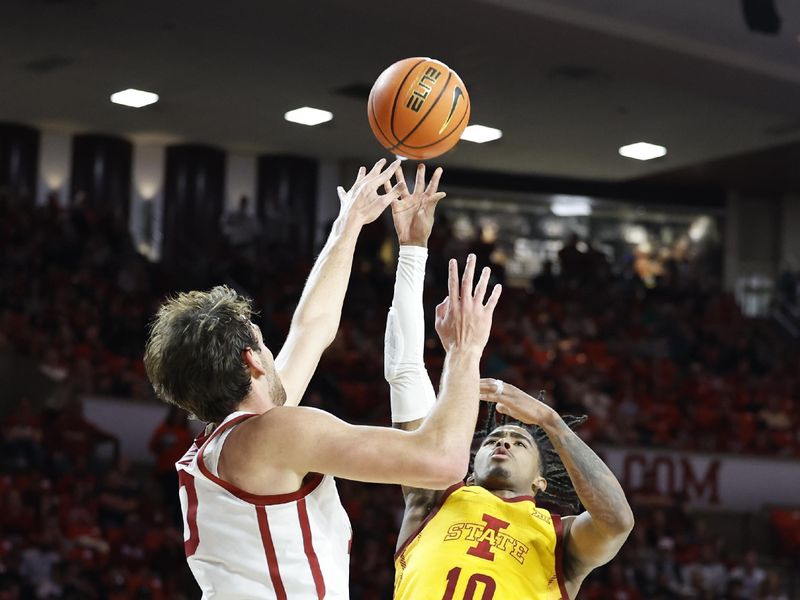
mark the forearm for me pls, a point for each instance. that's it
(450, 426)
(598, 489)
(412, 394)
(322, 298)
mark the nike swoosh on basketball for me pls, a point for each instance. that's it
(457, 95)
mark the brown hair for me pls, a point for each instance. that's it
(193, 355)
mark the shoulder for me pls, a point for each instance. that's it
(283, 434)
(282, 416)
(278, 424)
(260, 453)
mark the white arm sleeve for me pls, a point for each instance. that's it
(412, 394)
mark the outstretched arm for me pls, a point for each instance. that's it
(412, 395)
(271, 453)
(316, 318)
(595, 536)
(411, 390)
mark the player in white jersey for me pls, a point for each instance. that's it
(262, 515)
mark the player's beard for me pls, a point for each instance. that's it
(277, 393)
(276, 390)
(496, 477)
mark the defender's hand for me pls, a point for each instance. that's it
(413, 212)
(362, 203)
(515, 403)
(463, 321)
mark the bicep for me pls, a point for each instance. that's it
(310, 440)
(587, 546)
(419, 502)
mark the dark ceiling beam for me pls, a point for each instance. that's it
(643, 193)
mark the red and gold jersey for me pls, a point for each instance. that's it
(477, 546)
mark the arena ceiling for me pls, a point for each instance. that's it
(568, 81)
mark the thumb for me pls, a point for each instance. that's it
(387, 199)
(501, 408)
(441, 308)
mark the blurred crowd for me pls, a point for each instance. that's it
(673, 364)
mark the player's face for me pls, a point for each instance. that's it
(508, 459)
(276, 391)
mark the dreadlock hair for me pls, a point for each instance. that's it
(559, 490)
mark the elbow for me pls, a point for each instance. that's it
(630, 522)
(625, 522)
(439, 461)
(450, 468)
(323, 329)
(615, 525)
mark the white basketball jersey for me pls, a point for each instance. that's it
(286, 547)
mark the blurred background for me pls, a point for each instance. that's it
(658, 296)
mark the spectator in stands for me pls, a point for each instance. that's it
(571, 260)
(545, 282)
(707, 574)
(750, 574)
(168, 444)
(68, 281)
(22, 435)
(241, 228)
(772, 588)
(72, 439)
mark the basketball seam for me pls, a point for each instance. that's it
(422, 120)
(374, 116)
(452, 131)
(397, 94)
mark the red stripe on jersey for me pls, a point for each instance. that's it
(559, 527)
(269, 550)
(308, 546)
(309, 484)
(187, 481)
(430, 516)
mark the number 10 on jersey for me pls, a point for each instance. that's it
(486, 582)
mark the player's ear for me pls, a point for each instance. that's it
(539, 485)
(253, 361)
(470, 480)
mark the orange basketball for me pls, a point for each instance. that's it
(418, 108)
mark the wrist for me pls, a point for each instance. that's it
(553, 424)
(412, 242)
(464, 353)
(344, 226)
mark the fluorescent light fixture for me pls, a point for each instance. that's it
(308, 116)
(634, 234)
(571, 206)
(699, 228)
(134, 98)
(481, 134)
(642, 151)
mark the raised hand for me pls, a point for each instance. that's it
(463, 321)
(413, 212)
(362, 203)
(515, 403)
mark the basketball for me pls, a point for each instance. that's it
(418, 108)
